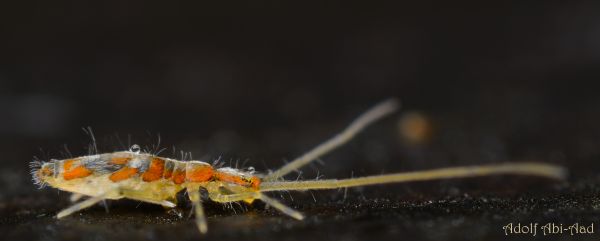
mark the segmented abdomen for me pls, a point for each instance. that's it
(120, 166)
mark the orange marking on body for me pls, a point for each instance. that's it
(200, 174)
(168, 174)
(255, 182)
(226, 177)
(155, 171)
(179, 176)
(68, 164)
(123, 174)
(120, 160)
(77, 172)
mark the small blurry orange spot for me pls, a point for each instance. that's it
(119, 160)
(255, 183)
(415, 128)
(179, 177)
(123, 174)
(77, 172)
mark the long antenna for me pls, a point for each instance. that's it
(525, 168)
(375, 113)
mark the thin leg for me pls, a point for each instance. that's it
(194, 195)
(75, 197)
(281, 207)
(164, 203)
(228, 198)
(127, 193)
(379, 111)
(84, 204)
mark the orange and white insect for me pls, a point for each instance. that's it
(153, 179)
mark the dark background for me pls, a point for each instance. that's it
(262, 82)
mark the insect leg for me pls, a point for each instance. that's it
(85, 204)
(75, 197)
(112, 193)
(227, 198)
(194, 195)
(375, 113)
(281, 207)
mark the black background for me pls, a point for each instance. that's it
(261, 82)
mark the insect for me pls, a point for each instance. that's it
(153, 179)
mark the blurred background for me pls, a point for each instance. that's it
(261, 82)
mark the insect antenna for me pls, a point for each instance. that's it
(375, 113)
(525, 168)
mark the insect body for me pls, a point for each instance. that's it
(139, 176)
(153, 179)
